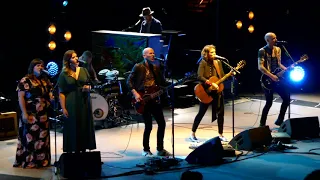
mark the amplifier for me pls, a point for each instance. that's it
(8, 124)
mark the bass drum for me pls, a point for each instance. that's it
(100, 107)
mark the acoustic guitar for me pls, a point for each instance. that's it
(153, 92)
(203, 91)
(267, 83)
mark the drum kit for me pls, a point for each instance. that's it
(106, 108)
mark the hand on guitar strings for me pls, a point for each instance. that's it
(212, 84)
(274, 78)
(137, 96)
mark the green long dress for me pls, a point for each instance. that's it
(78, 130)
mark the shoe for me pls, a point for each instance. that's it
(163, 153)
(193, 138)
(147, 153)
(278, 122)
(223, 139)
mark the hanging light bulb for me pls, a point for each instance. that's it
(67, 35)
(52, 45)
(251, 15)
(52, 29)
(251, 29)
(239, 24)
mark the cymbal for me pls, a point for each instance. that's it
(115, 78)
(103, 72)
(112, 73)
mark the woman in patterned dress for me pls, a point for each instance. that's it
(34, 93)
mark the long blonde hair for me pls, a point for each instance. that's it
(205, 51)
(66, 61)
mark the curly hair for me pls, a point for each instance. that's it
(205, 51)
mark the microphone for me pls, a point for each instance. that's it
(281, 42)
(112, 47)
(82, 61)
(159, 59)
(221, 58)
(42, 71)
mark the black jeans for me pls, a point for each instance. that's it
(155, 109)
(217, 109)
(285, 96)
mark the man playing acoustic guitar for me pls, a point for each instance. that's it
(269, 59)
(208, 67)
(145, 78)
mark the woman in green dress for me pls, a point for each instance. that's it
(74, 95)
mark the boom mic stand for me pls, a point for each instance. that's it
(232, 91)
(287, 53)
(55, 110)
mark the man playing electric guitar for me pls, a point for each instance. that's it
(208, 67)
(269, 59)
(145, 77)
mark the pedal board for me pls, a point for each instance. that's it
(282, 137)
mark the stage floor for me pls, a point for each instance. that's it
(121, 147)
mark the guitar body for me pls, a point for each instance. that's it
(203, 91)
(139, 106)
(267, 83)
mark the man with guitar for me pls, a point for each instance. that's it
(146, 78)
(209, 67)
(269, 59)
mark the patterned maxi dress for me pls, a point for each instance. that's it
(33, 149)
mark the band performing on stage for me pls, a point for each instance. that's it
(88, 98)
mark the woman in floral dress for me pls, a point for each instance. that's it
(34, 93)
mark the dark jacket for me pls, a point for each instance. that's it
(137, 76)
(156, 26)
(207, 70)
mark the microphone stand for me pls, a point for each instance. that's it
(55, 109)
(132, 26)
(287, 53)
(232, 92)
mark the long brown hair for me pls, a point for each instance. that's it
(66, 61)
(205, 51)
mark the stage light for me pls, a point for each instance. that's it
(251, 29)
(251, 15)
(52, 29)
(65, 3)
(52, 68)
(67, 35)
(297, 74)
(52, 45)
(239, 24)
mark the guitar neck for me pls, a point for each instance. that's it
(279, 74)
(223, 78)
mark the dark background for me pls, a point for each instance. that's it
(24, 34)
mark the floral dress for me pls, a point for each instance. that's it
(33, 149)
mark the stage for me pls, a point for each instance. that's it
(121, 147)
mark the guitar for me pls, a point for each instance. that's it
(267, 83)
(203, 91)
(153, 92)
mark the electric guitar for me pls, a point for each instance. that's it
(153, 92)
(267, 83)
(203, 91)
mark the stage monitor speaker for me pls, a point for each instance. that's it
(209, 153)
(300, 128)
(80, 165)
(252, 139)
(8, 124)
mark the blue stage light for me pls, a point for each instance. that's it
(297, 74)
(52, 68)
(65, 3)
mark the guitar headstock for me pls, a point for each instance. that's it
(303, 58)
(240, 64)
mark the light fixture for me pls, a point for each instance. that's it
(239, 24)
(251, 15)
(52, 45)
(52, 29)
(67, 35)
(251, 29)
